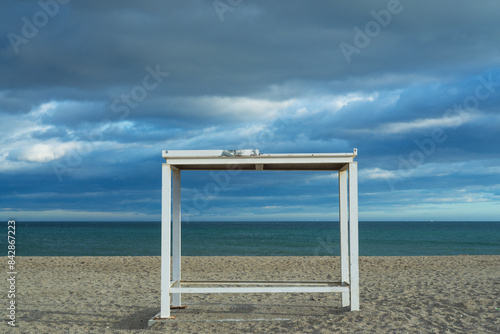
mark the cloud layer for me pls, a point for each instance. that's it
(91, 92)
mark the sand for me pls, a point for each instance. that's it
(455, 294)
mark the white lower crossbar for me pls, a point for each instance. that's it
(259, 289)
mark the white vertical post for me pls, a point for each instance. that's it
(353, 235)
(176, 234)
(165, 241)
(344, 233)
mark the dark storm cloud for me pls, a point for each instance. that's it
(259, 44)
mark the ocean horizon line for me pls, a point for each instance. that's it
(256, 221)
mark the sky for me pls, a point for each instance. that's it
(91, 92)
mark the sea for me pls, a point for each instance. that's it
(282, 238)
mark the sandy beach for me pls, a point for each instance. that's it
(442, 294)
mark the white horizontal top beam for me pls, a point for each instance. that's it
(253, 160)
(209, 153)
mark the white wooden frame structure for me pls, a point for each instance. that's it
(176, 161)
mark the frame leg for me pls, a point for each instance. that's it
(176, 234)
(344, 236)
(165, 241)
(353, 235)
